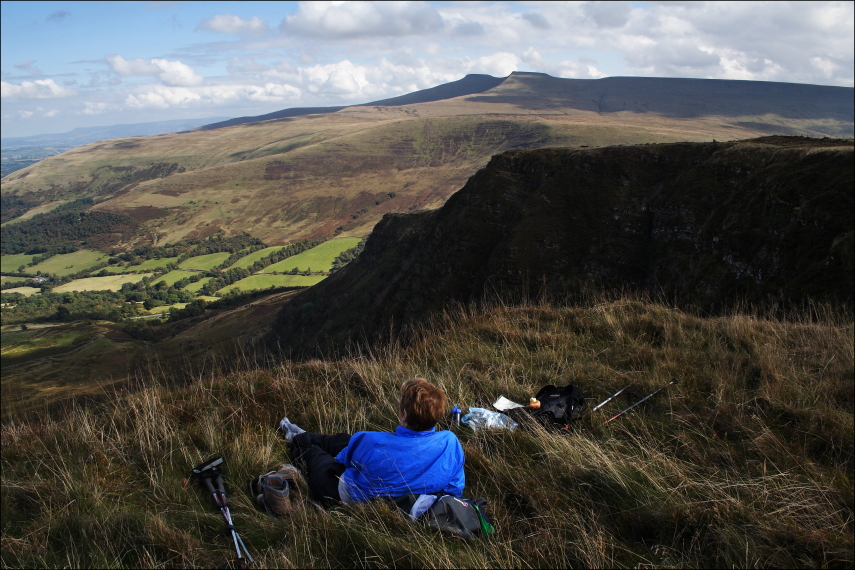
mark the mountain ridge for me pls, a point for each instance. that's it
(471, 83)
(703, 224)
(317, 176)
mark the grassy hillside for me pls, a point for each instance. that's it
(315, 176)
(767, 221)
(748, 461)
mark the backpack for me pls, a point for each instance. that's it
(463, 518)
(559, 406)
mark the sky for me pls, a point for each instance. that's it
(75, 64)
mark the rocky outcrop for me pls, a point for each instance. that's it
(706, 224)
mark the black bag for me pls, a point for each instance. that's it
(559, 406)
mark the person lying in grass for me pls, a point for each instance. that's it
(415, 459)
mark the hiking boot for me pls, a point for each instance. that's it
(274, 496)
(272, 491)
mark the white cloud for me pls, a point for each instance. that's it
(362, 19)
(25, 114)
(94, 108)
(346, 82)
(172, 73)
(125, 67)
(51, 113)
(177, 73)
(231, 24)
(38, 89)
(499, 64)
(164, 97)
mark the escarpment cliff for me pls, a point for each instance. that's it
(706, 224)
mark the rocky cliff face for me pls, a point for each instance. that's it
(706, 224)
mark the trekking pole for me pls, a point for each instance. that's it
(673, 381)
(207, 472)
(606, 401)
(210, 485)
(227, 513)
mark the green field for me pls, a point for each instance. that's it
(68, 263)
(12, 280)
(110, 283)
(23, 290)
(9, 263)
(205, 262)
(173, 276)
(26, 345)
(146, 265)
(264, 281)
(165, 308)
(318, 258)
(194, 287)
(248, 260)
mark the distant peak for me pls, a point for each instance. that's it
(529, 74)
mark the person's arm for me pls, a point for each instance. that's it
(345, 456)
(458, 480)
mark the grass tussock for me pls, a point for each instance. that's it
(747, 462)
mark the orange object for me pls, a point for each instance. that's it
(533, 404)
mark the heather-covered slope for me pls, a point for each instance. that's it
(708, 224)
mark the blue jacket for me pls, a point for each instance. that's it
(382, 464)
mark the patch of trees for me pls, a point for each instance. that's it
(64, 307)
(99, 305)
(239, 245)
(66, 226)
(12, 207)
(218, 244)
(348, 255)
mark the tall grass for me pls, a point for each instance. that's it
(748, 461)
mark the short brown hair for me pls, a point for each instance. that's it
(423, 402)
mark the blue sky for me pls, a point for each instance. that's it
(72, 64)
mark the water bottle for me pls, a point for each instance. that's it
(455, 416)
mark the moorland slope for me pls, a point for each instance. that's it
(747, 462)
(319, 175)
(765, 221)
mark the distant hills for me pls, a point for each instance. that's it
(707, 225)
(472, 83)
(672, 97)
(328, 174)
(677, 97)
(86, 135)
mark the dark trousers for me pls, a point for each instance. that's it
(317, 454)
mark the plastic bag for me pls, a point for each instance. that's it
(479, 418)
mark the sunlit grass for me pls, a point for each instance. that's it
(748, 461)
